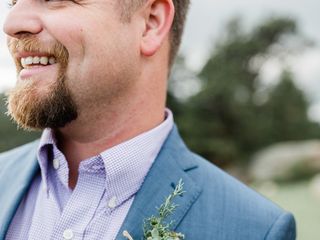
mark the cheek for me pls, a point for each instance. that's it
(69, 33)
(73, 42)
(98, 55)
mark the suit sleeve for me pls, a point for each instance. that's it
(284, 228)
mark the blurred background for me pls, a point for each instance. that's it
(244, 92)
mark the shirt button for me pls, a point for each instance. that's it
(56, 163)
(112, 202)
(68, 234)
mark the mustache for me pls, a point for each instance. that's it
(33, 44)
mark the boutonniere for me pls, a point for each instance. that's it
(155, 227)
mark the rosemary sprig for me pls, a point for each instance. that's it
(155, 227)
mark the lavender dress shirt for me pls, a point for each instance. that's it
(105, 190)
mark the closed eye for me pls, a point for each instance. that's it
(11, 3)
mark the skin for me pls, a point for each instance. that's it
(117, 72)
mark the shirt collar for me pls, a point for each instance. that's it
(45, 153)
(125, 165)
(128, 163)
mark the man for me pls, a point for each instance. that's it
(93, 75)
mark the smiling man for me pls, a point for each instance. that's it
(92, 74)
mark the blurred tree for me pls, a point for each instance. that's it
(286, 110)
(225, 122)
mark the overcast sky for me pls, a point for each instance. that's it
(206, 21)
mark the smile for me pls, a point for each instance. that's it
(37, 65)
(27, 62)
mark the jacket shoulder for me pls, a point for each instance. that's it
(236, 210)
(17, 169)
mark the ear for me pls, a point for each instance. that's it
(159, 16)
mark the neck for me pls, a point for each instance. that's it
(106, 133)
(90, 136)
(104, 126)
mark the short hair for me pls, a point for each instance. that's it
(128, 7)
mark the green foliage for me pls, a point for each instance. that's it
(287, 112)
(10, 135)
(155, 227)
(227, 121)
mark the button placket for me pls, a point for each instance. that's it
(112, 203)
(68, 234)
(56, 163)
(86, 196)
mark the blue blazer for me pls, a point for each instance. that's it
(215, 205)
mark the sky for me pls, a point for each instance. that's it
(205, 23)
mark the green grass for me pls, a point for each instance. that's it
(298, 199)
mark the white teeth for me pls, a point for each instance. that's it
(44, 60)
(28, 60)
(36, 60)
(52, 60)
(25, 62)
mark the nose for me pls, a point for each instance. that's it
(23, 19)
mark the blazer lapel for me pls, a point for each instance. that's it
(16, 176)
(171, 165)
